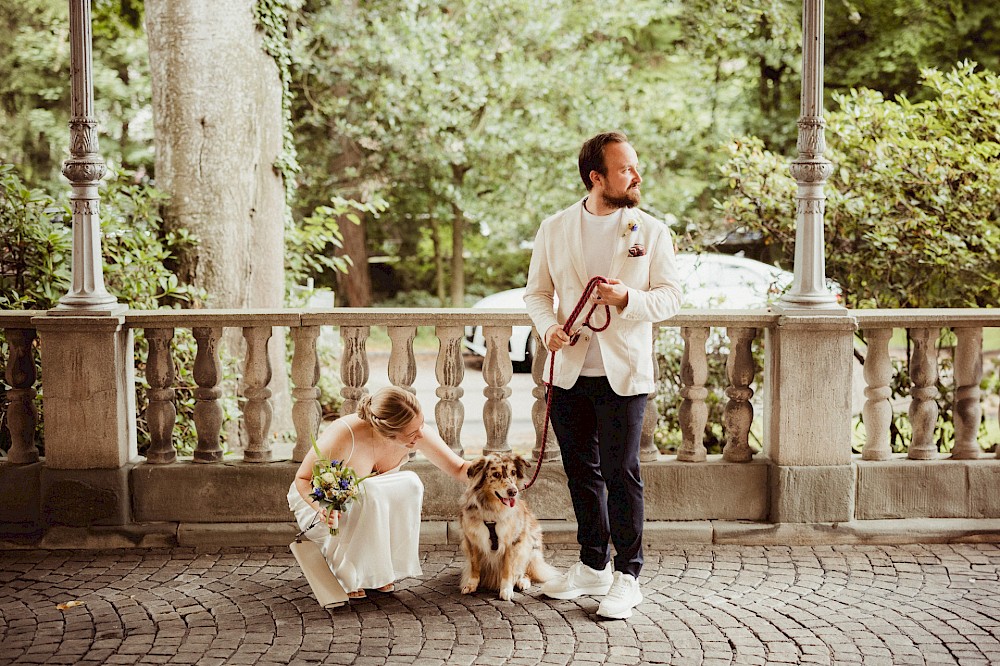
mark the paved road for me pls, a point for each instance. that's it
(710, 605)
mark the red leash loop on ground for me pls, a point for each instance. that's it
(568, 328)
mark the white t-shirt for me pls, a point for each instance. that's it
(599, 239)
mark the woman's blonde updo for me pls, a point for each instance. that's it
(389, 410)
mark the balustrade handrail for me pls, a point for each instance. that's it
(168, 318)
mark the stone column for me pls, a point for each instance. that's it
(353, 366)
(87, 353)
(497, 371)
(807, 420)
(89, 406)
(161, 414)
(693, 413)
(307, 411)
(21, 415)
(84, 169)
(877, 412)
(807, 413)
(450, 369)
(810, 170)
(968, 406)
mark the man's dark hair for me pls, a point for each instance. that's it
(592, 155)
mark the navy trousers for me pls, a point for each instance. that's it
(599, 434)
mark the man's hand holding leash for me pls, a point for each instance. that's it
(612, 292)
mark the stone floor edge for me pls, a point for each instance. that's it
(658, 533)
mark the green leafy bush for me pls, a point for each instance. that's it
(35, 252)
(911, 220)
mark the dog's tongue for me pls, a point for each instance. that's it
(508, 501)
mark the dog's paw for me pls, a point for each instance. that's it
(470, 586)
(524, 584)
(507, 592)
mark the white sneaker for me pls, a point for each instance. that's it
(623, 596)
(579, 580)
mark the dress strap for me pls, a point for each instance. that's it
(348, 458)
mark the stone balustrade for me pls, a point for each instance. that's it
(355, 326)
(965, 370)
(742, 329)
(806, 472)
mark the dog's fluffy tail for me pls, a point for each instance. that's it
(539, 570)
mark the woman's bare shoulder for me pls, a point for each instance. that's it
(341, 436)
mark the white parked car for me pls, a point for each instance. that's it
(709, 281)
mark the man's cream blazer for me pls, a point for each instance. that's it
(654, 294)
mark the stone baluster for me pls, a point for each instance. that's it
(877, 412)
(647, 447)
(257, 412)
(307, 411)
(540, 375)
(21, 413)
(207, 410)
(353, 366)
(694, 410)
(923, 406)
(740, 370)
(161, 414)
(449, 411)
(968, 410)
(497, 371)
(402, 364)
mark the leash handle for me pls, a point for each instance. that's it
(568, 328)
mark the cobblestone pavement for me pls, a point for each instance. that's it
(921, 604)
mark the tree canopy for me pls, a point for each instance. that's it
(912, 218)
(464, 116)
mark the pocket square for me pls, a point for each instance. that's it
(636, 251)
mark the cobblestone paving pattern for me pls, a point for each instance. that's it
(712, 605)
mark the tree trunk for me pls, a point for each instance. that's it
(218, 131)
(438, 261)
(458, 241)
(355, 285)
(457, 260)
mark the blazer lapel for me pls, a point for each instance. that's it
(622, 243)
(573, 234)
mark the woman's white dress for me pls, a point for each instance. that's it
(379, 531)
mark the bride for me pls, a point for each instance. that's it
(380, 530)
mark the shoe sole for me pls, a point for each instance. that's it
(578, 592)
(621, 616)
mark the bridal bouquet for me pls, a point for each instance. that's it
(334, 486)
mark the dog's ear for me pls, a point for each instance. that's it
(521, 465)
(476, 468)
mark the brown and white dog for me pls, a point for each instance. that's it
(501, 538)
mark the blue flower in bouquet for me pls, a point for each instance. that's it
(335, 485)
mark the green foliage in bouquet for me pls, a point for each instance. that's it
(334, 487)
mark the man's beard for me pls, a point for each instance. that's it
(627, 199)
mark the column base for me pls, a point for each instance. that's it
(812, 494)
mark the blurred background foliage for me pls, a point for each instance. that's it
(473, 110)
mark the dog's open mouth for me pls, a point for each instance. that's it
(509, 501)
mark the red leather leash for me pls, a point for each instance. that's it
(568, 328)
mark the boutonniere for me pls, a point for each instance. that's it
(631, 226)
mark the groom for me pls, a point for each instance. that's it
(601, 382)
